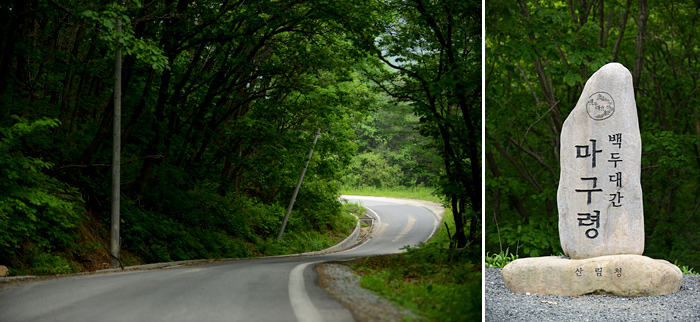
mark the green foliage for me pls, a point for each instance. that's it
(499, 260)
(49, 264)
(391, 152)
(202, 224)
(685, 269)
(143, 49)
(353, 209)
(38, 213)
(371, 169)
(532, 237)
(157, 238)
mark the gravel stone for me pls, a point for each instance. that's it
(504, 305)
(343, 284)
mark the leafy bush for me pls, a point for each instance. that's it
(160, 238)
(200, 223)
(177, 218)
(372, 169)
(48, 264)
(531, 237)
(319, 208)
(37, 211)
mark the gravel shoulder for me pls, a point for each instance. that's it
(344, 285)
(504, 305)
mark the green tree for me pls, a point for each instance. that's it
(388, 139)
(434, 49)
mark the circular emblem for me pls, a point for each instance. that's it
(600, 106)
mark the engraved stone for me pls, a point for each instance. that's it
(620, 275)
(601, 218)
(600, 194)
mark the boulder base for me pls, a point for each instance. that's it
(619, 275)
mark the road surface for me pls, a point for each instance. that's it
(260, 289)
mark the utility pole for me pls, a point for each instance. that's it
(296, 190)
(116, 151)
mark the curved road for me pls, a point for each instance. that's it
(260, 289)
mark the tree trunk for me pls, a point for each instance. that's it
(622, 31)
(639, 45)
(10, 41)
(458, 214)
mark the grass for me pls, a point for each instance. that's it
(499, 260)
(686, 270)
(431, 282)
(310, 241)
(419, 193)
(434, 282)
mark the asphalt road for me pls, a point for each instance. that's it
(261, 289)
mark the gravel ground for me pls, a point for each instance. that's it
(504, 305)
(341, 283)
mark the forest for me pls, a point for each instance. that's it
(539, 55)
(220, 104)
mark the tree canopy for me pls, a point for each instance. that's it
(221, 100)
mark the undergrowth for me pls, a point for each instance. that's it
(435, 283)
(686, 270)
(499, 260)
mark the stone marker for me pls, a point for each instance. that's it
(600, 195)
(3, 271)
(620, 275)
(601, 216)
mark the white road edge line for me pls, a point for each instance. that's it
(304, 309)
(377, 228)
(436, 223)
(376, 215)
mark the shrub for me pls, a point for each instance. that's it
(37, 211)
(372, 169)
(531, 237)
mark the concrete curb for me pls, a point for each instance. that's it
(345, 244)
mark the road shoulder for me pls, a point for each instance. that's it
(343, 284)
